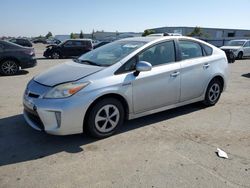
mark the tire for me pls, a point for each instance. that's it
(9, 67)
(98, 124)
(240, 55)
(213, 92)
(55, 55)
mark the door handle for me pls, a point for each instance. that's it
(175, 74)
(206, 65)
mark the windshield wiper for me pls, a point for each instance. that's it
(88, 62)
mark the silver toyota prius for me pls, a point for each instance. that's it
(125, 79)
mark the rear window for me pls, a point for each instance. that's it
(190, 49)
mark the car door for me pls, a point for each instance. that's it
(68, 49)
(195, 69)
(247, 48)
(160, 86)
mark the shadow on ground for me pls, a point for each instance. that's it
(21, 72)
(247, 75)
(20, 143)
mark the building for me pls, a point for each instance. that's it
(216, 36)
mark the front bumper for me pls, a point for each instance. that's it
(55, 116)
(28, 62)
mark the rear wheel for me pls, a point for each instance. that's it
(213, 92)
(240, 55)
(105, 117)
(55, 55)
(9, 67)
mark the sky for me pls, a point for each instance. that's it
(37, 17)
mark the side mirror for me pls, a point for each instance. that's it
(142, 66)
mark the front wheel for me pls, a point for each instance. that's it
(105, 117)
(55, 55)
(9, 67)
(213, 92)
(240, 55)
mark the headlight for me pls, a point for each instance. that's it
(65, 90)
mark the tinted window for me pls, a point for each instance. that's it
(1, 47)
(159, 54)
(128, 66)
(68, 44)
(190, 50)
(78, 43)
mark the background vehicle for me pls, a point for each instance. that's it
(100, 44)
(240, 48)
(68, 48)
(230, 55)
(22, 42)
(163, 34)
(53, 41)
(129, 78)
(40, 40)
(13, 57)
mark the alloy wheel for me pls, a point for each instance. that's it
(55, 55)
(107, 118)
(214, 92)
(9, 67)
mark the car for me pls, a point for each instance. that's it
(22, 42)
(53, 41)
(164, 34)
(125, 79)
(240, 48)
(100, 44)
(230, 55)
(40, 40)
(68, 48)
(13, 57)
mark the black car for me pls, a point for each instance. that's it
(69, 48)
(40, 40)
(13, 57)
(100, 44)
(230, 55)
(22, 42)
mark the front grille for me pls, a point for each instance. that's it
(33, 116)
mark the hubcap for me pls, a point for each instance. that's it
(9, 67)
(107, 118)
(55, 55)
(214, 92)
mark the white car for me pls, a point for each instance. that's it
(164, 34)
(240, 48)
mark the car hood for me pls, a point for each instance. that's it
(67, 72)
(230, 47)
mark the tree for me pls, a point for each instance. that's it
(81, 35)
(197, 32)
(48, 35)
(93, 34)
(72, 36)
(147, 32)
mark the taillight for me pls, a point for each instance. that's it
(30, 52)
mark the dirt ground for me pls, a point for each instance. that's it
(174, 148)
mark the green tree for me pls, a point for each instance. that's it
(81, 35)
(197, 32)
(49, 34)
(72, 36)
(147, 32)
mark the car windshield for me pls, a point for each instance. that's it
(236, 43)
(111, 53)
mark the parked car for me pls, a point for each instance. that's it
(164, 34)
(68, 48)
(240, 48)
(100, 44)
(53, 41)
(230, 55)
(125, 79)
(13, 57)
(22, 42)
(40, 40)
